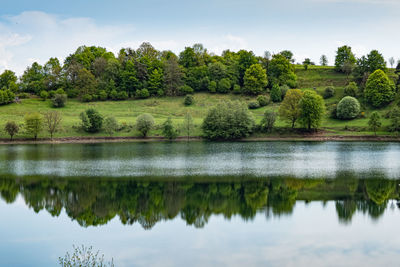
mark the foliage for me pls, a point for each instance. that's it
(395, 120)
(328, 92)
(224, 86)
(263, 100)
(11, 128)
(255, 80)
(289, 110)
(344, 56)
(268, 121)
(379, 90)
(276, 93)
(44, 95)
(188, 125)
(237, 89)
(212, 87)
(374, 121)
(144, 123)
(110, 125)
(312, 108)
(281, 72)
(348, 108)
(323, 60)
(168, 129)
(92, 120)
(185, 89)
(142, 94)
(188, 101)
(33, 124)
(351, 89)
(253, 105)
(84, 257)
(52, 121)
(284, 89)
(6, 96)
(228, 120)
(59, 100)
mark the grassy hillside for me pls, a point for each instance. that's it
(162, 108)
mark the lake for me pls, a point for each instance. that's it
(202, 203)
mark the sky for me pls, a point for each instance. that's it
(37, 30)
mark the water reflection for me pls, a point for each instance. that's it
(147, 201)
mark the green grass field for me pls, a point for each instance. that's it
(161, 108)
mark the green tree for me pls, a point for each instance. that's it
(11, 128)
(268, 121)
(33, 124)
(348, 108)
(276, 93)
(255, 80)
(244, 60)
(144, 123)
(323, 60)
(155, 82)
(379, 89)
(281, 72)
(92, 120)
(169, 131)
(307, 62)
(59, 100)
(374, 121)
(288, 55)
(290, 110)
(52, 122)
(8, 79)
(344, 56)
(110, 125)
(188, 125)
(228, 120)
(312, 108)
(351, 89)
(172, 77)
(85, 83)
(224, 86)
(395, 120)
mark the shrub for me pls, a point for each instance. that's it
(253, 105)
(11, 128)
(224, 85)
(44, 95)
(110, 125)
(123, 95)
(284, 89)
(87, 98)
(114, 94)
(33, 124)
(188, 100)
(185, 89)
(144, 124)
(328, 92)
(374, 121)
(169, 130)
(263, 100)
(236, 89)
(379, 90)
(228, 120)
(160, 92)
(24, 95)
(59, 100)
(60, 91)
(351, 89)
(92, 120)
(333, 111)
(395, 120)
(142, 94)
(72, 93)
(52, 93)
(276, 93)
(103, 95)
(268, 121)
(348, 108)
(212, 87)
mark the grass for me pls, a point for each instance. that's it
(161, 108)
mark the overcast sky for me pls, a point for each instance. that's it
(37, 30)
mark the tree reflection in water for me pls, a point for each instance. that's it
(95, 201)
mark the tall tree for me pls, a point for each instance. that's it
(288, 55)
(379, 89)
(281, 72)
(52, 121)
(312, 108)
(323, 60)
(375, 121)
(188, 125)
(172, 77)
(255, 80)
(33, 124)
(155, 84)
(344, 55)
(290, 110)
(391, 62)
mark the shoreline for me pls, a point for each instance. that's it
(294, 138)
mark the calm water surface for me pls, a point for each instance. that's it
(202, 204)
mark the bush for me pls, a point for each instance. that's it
(72, 93)
(253, 105)
(103, 95)
(328, 92)
(122, 95)
(333, 111)
(348, 108)
(52, 93)
(395, 120)
(60, 91)
(224, 86)
(188, 100)
(87, 98)
(236, 89)
(11, 128)
(351, 89)
(228, 120)
(268, 121)
(263, 100)
(110, 125)
(24, 95)
(212, 87)
(142, 94)
(284, 89)
(160, 92)
(44, 95)
(185, 89)
(169, 130)
(114, 94)
(92, 120)
(144, 124)
(59, 100)
(379, 89)
(276, 93)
